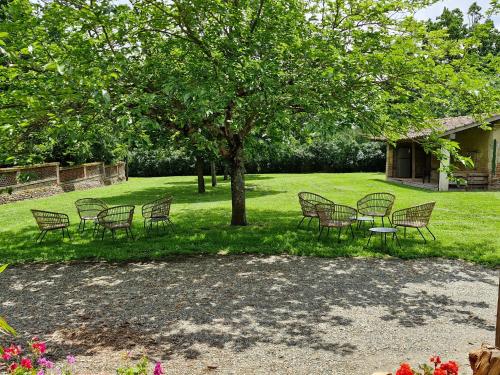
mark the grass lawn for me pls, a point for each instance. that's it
(466, 224)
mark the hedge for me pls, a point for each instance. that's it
(342, 155)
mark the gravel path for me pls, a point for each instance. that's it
(255, 315)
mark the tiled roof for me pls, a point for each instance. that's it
(451, 125)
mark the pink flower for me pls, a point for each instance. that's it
(71, 359)
(26, 363)
(6, 356)
(44, 362)
(39, 347)
(158, 370)
(41, 372)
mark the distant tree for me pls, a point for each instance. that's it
(474, 14)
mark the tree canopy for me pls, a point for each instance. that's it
(82, 77)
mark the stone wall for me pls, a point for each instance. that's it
(43, 180)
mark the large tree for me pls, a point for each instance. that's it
(223, 72)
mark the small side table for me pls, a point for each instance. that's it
(383, 235)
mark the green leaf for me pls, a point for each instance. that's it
(50, 66)
(5, 328)
(3, 267)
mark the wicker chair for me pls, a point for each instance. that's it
(88, 209)
(376, 205)
(50, 221)
(414, 217)
(308, 202)
(157, 211)
(335, 216)
(114, 218)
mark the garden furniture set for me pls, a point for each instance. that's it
(105, 218)
(372, 206)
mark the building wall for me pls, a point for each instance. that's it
(494, 172)
(476, 143)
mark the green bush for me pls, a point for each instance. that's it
(344, 154)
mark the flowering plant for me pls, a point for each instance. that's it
(440, 368)
(14, 360)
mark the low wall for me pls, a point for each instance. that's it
(35, 181)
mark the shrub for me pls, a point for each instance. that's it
(345, 154)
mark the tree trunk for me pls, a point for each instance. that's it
(199, 171)
(126, 168)
(497, 338)
(213, 170)
(226, 171)
(239, 216)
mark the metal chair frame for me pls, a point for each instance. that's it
(377, 205)
(114, 218)
(308, 202)
(157, 211)
(335, 216)
(415, 217)
(48, 221)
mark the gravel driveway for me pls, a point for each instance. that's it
(255, 315)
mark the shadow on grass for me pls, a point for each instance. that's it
(231, 302)
(185, 192)
(403, 186)
(207, 231)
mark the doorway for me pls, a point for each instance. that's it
(403, 161)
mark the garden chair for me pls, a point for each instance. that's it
(50, 221)
(114, 218)
(308, 202)
(157, 211)
(335, 216)
(376, 205)
(88, 209)
(414, 217)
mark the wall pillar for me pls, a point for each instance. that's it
(58, 165)
(389, 157)
(444, 182)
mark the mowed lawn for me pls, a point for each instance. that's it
(466, 224)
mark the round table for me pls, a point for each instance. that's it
(383, 234)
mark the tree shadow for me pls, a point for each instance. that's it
(403, 186)
(184, 192)
(236, 303)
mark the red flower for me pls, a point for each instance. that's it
(405, 369)
(6, 356)
(436, 360)
(13, 367)
(26, 363)
(39, 347)
(451, 367)
(13, 350)
(440, 371)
